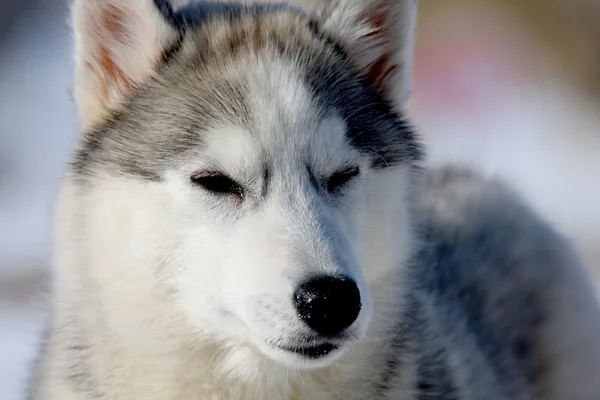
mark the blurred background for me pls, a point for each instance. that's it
(510, 86)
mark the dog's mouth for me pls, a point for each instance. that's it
(312, 352)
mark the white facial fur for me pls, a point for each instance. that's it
(244, 261)
(230, 268)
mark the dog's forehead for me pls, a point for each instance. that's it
(321, 146)
(285, 108)
(291, 79)
(266, 109)
(271, 74)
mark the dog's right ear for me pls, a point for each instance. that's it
(378, 37)
(118, 46)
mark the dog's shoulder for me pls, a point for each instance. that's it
(504, 299)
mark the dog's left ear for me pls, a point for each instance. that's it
(378, 36)
(119, 45)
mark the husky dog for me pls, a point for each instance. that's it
(246, 216)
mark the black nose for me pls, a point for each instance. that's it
(328, 305)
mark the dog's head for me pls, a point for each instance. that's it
(248, 163)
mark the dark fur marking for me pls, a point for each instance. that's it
(315, 28)
(166, 9)
(266, 181)
(170, 53)
(197, 13)
(433, 378)
(402, 343)
(77, 371)
(455, 270)
(374, 127)
(314, 181)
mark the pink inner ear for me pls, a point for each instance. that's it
(379, 71)
(110, 27)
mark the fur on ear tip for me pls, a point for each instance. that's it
(378, 36)
(118, 45)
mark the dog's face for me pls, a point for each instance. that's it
(251, 159)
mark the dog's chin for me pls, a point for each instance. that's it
(306, 355)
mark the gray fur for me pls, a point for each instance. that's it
(480, 279)
(158, 128)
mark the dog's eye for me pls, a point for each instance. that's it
(218, 183)
(340, 178)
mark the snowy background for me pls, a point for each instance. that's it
(488, 91)
(37, 126)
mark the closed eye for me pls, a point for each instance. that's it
(218, 183)
(341, 178)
